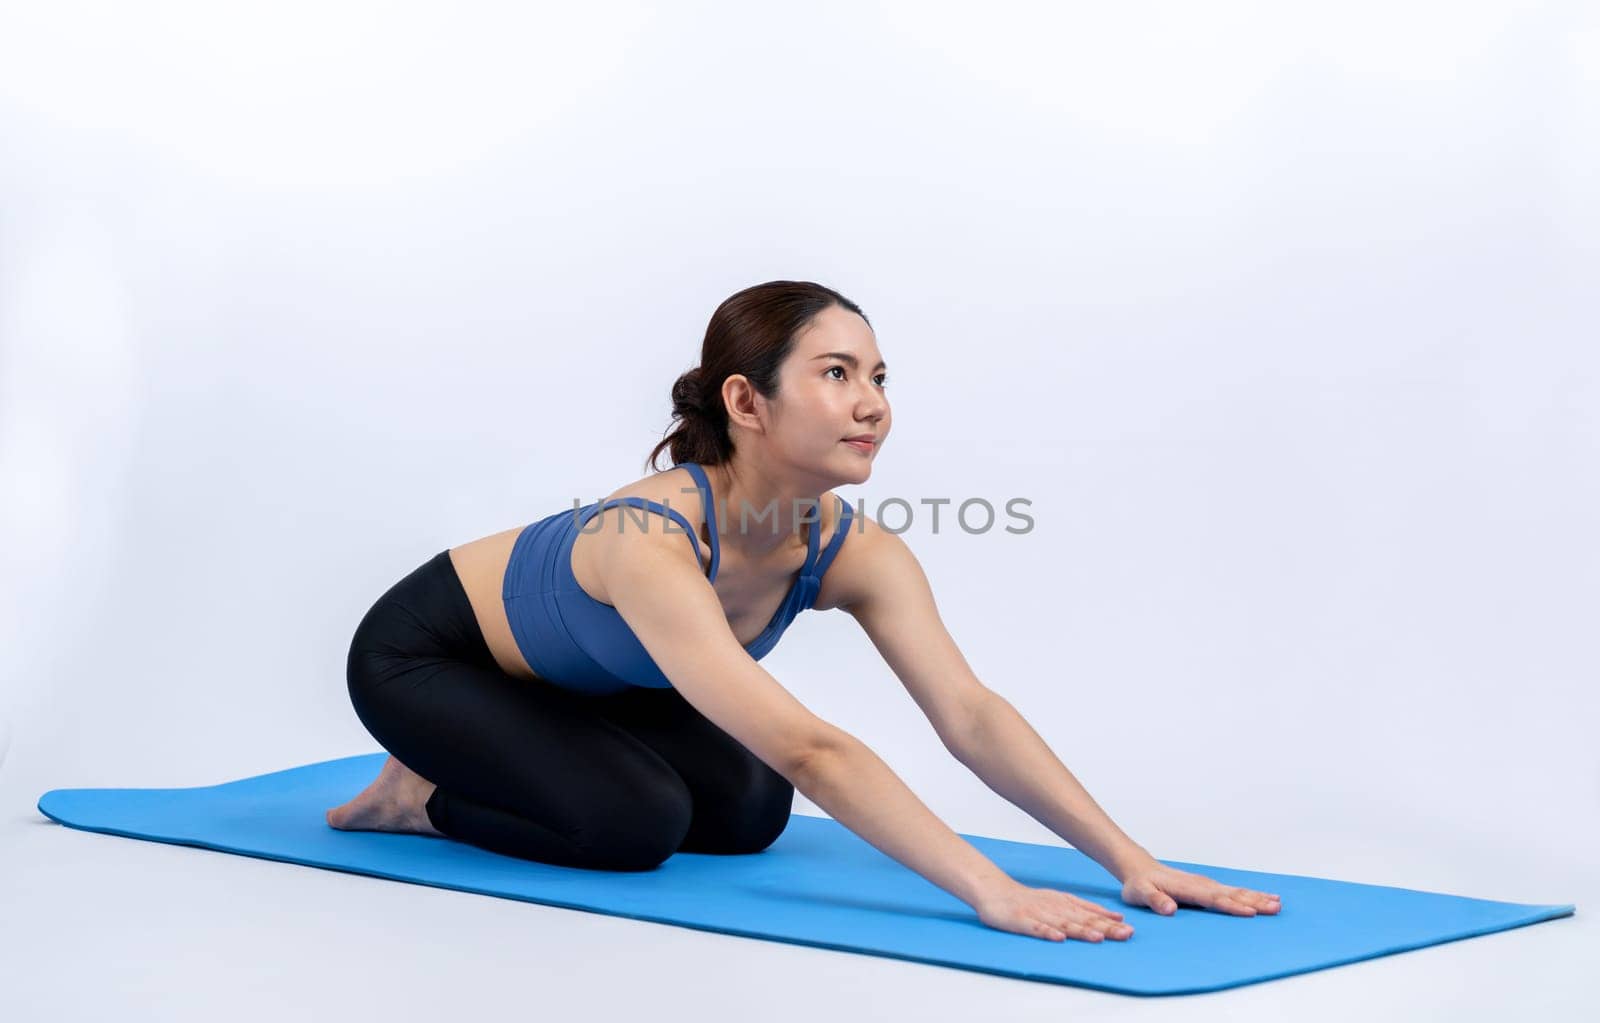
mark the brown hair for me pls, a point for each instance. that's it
(751, 333)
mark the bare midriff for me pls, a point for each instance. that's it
(481, 565)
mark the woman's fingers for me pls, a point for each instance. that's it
(1081, 931)
(1119, 931)
(1244, 901)
(1050, 914)
(1096, 928)
(1261, 902)
(1163, 888)
(1089, 921)
(1050, 931)
(1239, 901)
(1159, 900)
(1092, 907)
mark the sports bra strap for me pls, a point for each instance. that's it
(660, 509)
(839, 532)
(810, 580)
(709, 503)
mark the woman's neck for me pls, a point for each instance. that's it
(760, 515)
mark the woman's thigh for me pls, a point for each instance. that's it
(424, 684)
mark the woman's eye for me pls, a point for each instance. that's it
(882, 378)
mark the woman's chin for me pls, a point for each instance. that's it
(853, 465)
(863, 471)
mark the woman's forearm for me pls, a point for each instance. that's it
(1004, 751)
(860, 791)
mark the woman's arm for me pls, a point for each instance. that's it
(1010, 757)
(883, 586)
(657, 587)
(1013, 760)
(659, 591)
(878, 581)
(856, 788)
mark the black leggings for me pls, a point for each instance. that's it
(525, 768)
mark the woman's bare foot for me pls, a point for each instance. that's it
(394, 801)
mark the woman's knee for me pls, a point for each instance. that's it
(770, 800)
(641, 833)
(748, 815)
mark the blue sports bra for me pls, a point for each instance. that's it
(576, 642)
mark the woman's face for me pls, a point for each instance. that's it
(832, 387)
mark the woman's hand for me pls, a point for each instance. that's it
(1049, 914)
(1162, 887)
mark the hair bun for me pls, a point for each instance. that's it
(688, 398)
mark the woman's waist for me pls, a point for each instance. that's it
(481, 566)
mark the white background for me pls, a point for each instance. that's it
(1282, 317)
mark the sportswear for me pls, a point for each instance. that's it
(577, 642)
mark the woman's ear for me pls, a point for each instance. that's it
(746, 407)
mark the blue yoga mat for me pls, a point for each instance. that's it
(821, 885)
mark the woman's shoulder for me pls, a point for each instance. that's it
(833, 510)
(677, 489)
(858, 544)
(674, 487)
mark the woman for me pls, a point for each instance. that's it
(586, 691)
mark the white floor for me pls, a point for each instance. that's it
(99, 927)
